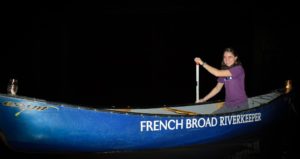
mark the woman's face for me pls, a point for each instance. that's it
(229, 59)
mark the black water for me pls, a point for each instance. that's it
(231, 150)
(221, 150)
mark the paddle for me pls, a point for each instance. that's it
(197, 82)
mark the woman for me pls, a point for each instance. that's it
(233, 76)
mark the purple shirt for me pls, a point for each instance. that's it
(235, 94)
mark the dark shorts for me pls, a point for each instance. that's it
(227, 109)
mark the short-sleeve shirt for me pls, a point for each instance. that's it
(234, 87)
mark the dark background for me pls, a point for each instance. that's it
(141, 54)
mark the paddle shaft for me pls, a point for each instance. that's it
(197, 82)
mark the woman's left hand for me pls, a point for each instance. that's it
(198, 60)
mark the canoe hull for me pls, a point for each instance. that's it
(38, 126)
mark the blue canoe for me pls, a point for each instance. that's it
(34, 125)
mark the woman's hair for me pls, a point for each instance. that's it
(235, 54)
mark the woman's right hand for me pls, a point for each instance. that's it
(202, 100)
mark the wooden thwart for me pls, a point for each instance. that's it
(182, 112)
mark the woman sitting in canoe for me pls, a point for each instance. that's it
(233, 76)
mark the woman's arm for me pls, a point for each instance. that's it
(212, 70)
(212, 93)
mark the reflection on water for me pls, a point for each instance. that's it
(252, 148)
